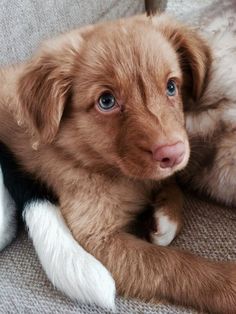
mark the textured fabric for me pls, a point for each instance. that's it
(209, 230)
(23, 24)
(198, 12)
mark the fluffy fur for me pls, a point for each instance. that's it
(103, 163)
(69, 267)
(211, 122)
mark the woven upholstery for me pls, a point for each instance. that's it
(209, 230)
(24, 23)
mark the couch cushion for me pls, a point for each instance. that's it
(23, 24)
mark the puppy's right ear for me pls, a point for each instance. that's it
(45, 85)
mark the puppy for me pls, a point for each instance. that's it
(211, 121)
(98, 115)
(88, 282)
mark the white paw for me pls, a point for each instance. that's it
(69, 267)
(166, 229)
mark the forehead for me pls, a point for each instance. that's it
(121, 53)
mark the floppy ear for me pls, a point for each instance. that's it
(45, 85)
(194, 54)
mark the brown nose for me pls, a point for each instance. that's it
(169, 155)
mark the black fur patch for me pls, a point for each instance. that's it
(22, 186)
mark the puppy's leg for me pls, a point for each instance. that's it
(167, 214)
(149, 272)
(69, 267)
(7, 216)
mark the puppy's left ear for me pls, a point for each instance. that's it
(45, 85)
(193, 51)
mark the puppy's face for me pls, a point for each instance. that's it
(114, 98)
(126, 103)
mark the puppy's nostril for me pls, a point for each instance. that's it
(165, 160)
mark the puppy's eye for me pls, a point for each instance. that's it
(106, 102)
(171, 88)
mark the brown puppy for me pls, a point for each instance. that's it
(102, 108)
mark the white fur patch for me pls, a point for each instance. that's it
(167, 230)
(69, 267)
(229, 115)
(203, 123)
(7, 216)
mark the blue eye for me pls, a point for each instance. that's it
(171, 88)
(106, 101)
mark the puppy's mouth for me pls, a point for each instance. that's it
(143, 166)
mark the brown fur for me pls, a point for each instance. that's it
(101, 166)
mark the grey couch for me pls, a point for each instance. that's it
(209, 230)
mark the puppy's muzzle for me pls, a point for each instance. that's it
(169, 155)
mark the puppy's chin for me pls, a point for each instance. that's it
(147, 173)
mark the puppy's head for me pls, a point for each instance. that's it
(110, 96)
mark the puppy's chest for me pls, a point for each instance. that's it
(96, 198)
